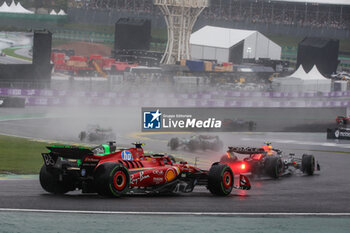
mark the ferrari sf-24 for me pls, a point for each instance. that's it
(109, 171)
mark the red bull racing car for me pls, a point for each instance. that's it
(266, 161)
(115, 172)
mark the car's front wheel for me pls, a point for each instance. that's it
(220, 179)
(308, 164)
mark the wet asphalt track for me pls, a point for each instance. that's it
(327, 192)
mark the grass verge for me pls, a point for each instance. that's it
(23, 156)
(11, 52)
(20, 156)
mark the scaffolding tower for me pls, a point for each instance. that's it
(180, 17)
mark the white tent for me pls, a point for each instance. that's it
(315, 74)
(14, 8)
(299, 73)
(20, 9)
(300, 81)
(4, 8)
(53, 12)
(217, 43)
(61, 12)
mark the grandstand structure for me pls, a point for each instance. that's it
(180, 17)
(294, 13)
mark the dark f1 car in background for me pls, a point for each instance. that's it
(266, 161)
(342, 120)
(107, 171)
(238, 125)
(196, 142)
(94, 133)
(338, 133)
(342, 131)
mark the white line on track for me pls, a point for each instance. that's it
(178, 213)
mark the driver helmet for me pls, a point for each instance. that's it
(267, 147)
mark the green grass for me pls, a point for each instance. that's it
(11, 52)
(20, 156)
(23, 156)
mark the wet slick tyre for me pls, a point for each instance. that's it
(308, 164)
(273, 167)
(111, 179)
(220, 179)
(50, 182)
(174, 143)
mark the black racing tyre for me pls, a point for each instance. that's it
(193, 145)
(220, 179)
(82, 135)
(50, 183)
(273, 167)
(308, 164)
(174, 143)
(93, 137)
(111, 179)
(251, 126)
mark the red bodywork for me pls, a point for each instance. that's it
(239, 166)
(144, 170)
(98, 170)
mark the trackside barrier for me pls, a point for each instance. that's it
(180, 102)
(195, 96)
(202, 99)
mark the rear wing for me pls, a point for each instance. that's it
(246, 150)
(70, 152)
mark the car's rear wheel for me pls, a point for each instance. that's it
(193, 145)
(273, 167)
(51, 183)
(308, 164)
(174, 143)
(111, 179)
(220, 179)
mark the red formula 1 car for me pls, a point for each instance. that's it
(108, 171)
(266, 161)
(342, 120)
